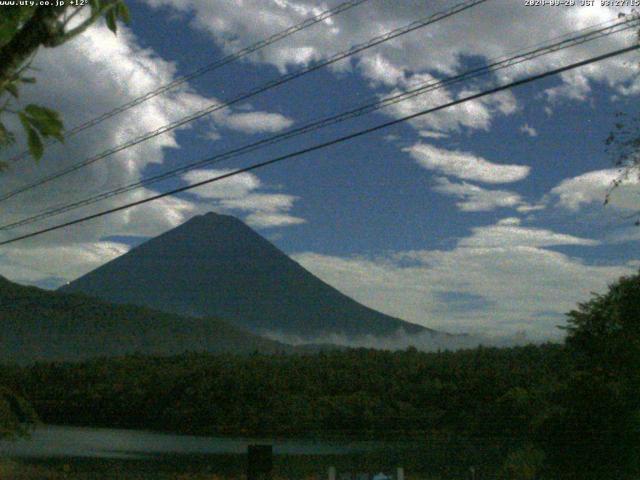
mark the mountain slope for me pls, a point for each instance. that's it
(214, 265)
(37, 324)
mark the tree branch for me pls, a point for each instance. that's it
(82, 27)
(38, 30)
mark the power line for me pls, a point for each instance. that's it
(460, 7)
(428, 86)
(616, 27)
(335, 141)
(207, 68)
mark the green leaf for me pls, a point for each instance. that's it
(123, 12)
(111, 18)
(46, 121)
(35, 144)
(44, 113)
(6, 137)
(11, 20)
(33, 139)
(12, 89)
(47, 129)
(27, 79)
(23, 119)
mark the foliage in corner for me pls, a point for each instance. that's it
(23, 30)
(597, 434)
(605, 331)
(623, 143)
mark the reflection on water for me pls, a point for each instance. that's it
(56, 441)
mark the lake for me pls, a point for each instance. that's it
(96, 453)
(49, 441)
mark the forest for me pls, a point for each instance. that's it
(39, 324)
(364, 392)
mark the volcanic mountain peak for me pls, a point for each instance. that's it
(215, 265)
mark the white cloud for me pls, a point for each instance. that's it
(258, 122)
(472, 32)
(400, 340)
(484, 31)
(237, 186)
(25, 264)
(576, 87)
(592, 187)
(530, 208)
(473, 115)
(512, 282)
(266, 219)
(239, 194)
(477, 199)
(509, 221)
(153, 218)
(465, 165)
(380, 69)
(81, 93)
(529, 130)
(511, 235)
(430, 134)
(261, 202)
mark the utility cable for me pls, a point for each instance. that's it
(460, 7)
(335, 141)
(423, 88)
(206, 68)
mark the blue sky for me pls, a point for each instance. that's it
(486, 218)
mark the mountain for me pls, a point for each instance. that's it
(38, 324)
(215, 265)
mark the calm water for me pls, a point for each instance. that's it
(55, 441)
